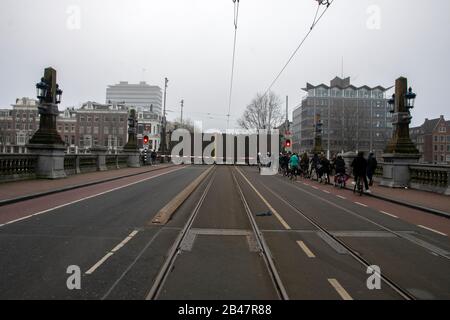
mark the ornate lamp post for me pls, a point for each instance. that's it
(132, 131)
(46, 142)
(400, 151)
(131, 148)
(49, 95)
(402, 102)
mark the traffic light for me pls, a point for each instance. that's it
(145, 157)
(146, 140)
(288, 143)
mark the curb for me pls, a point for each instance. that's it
(74, 187)
(166, 213)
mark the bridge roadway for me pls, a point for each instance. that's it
(316, 243)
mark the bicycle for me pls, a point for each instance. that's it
(358, 186)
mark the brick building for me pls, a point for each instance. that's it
(433, 140)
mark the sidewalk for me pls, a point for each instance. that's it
(416, 197)
(419, 198)
(16, 189)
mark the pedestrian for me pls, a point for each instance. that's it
(314, 165)
(325, 168)
(372, 165)
(153, 157)
(359, 166)
(305, 165)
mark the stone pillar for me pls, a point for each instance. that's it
(396, 169)
(131, 148)
(50, 164)
(100, 152)
(401, 152)
(46, 142)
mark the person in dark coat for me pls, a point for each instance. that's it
(359, 166)
(372, 165)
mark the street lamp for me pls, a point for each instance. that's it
(59, 93)
(42, 90)
(410, 98)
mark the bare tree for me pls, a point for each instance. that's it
(264, 112)
(187, 124)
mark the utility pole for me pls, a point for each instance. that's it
(182, 105)
(287, 114)
(163, 135)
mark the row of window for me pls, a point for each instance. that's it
(441, 138)
(441, 148)
(348, 93)
(88, 141)
(105, 118)
(106, 130)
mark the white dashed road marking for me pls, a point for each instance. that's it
(387, 213)
(361, 204)
(342, 292)
(305, 249)
(432, 230)
(109, 254)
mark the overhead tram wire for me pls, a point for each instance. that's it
(236, 17)
(315, 22)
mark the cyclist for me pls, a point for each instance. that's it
(325, 168)
(293, 165)
(339, 165)
(359, 166)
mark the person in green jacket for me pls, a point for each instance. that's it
(293, 165)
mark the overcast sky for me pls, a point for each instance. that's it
(190, 42)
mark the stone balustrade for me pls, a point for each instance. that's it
(426, 177)
(15, 167)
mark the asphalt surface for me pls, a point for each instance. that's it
(106, 230)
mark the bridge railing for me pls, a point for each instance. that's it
(17, 166)
(426, 177)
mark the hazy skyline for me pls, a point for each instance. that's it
(190, 42)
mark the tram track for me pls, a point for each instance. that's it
(176, 248)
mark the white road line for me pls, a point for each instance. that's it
(305, 249)
(109, 254)
(306, 184)
(89, 197)
(326, 191)
(314, 187)
(340, 290)
(389, 214)
(277, 215)
(342, 197)
(432, 230)
(361, 204)
(98, 264)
